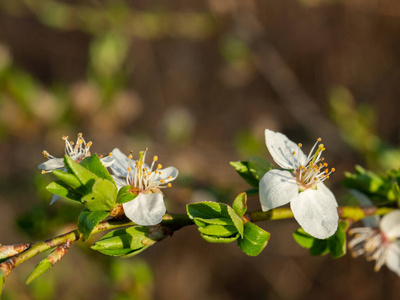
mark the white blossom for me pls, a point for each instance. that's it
(300, 183)
(77, 151)
(379, 241)
(147, 181)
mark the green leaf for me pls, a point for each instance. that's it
(240, 204)
(68, 178)
(303, 238)
(2, 279)
(259, 166)
(210, 213)
(94, 165)
(218, 230)
(40, 268)
(337, 242)
(243, 170)
(138, 234)
(237, 221)
(254, 240)
(86, 177)
(89, 219)
(60, 188)
(103, 196)
(319, 247)
(220, 240)
(123, 242)
(124, 194)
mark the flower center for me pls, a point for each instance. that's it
(314, 171)
(142, 177)
(369, 242)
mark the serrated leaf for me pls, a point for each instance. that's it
(259, 166)
(303, 238)
(124, 194)
(219, 240)
(40, 268)
(69, 179)
(86, 177)
(60, 188)
(89, 219)
(103, 196)
(254, 239)
(337, 242)
(94, 165)
(242, 169)
(240, 204)
(218, 230)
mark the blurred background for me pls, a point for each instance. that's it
(197, 82)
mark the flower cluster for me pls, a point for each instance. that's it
(146, 182)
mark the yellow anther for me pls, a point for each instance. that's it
(318, 139)
(326, 170)
(325, 165)
(301, 167)
(155, 158)
(169, 177)
(65, 137)
(149, 173)
(327, 176)
(110, 154)
(322, 159)
(294, 152)
(71, 143)
(89, 144)
(162, 180)
(130, 156)
(159, 166)
(169, 185)
(101, 155)
(129, 169)
(300, 145)
(43, 172)
(323, 149)
(80, 141)
(333, 170)
(315, 178)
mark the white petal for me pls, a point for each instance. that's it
(167, 172)
(54, 199)
(390, 224)
(281, 150)
(119, 182)
(323, 188)
(393, 257)
(315, 211)
(107, 161)
(120, 165)
(145, 209)
(277, 188)
(52, 164)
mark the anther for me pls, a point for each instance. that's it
(43, 172)
(333, 170)
(318, 139)
(159, 167)
(294, 152)
(155, 158)
(169, 177)
(169, 185)
(130, 156)
(300, 145)
(110, 154)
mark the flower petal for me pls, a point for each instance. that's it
(390, 224)
(393, 257)
(52, 164)
(145, 209)
(316, 212)
(167, 172)
(323, 188)
(120, 165)
(54, 199)
(281, 150)
(107, 160)
(277, 188)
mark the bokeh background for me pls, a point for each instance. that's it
(197, 82)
